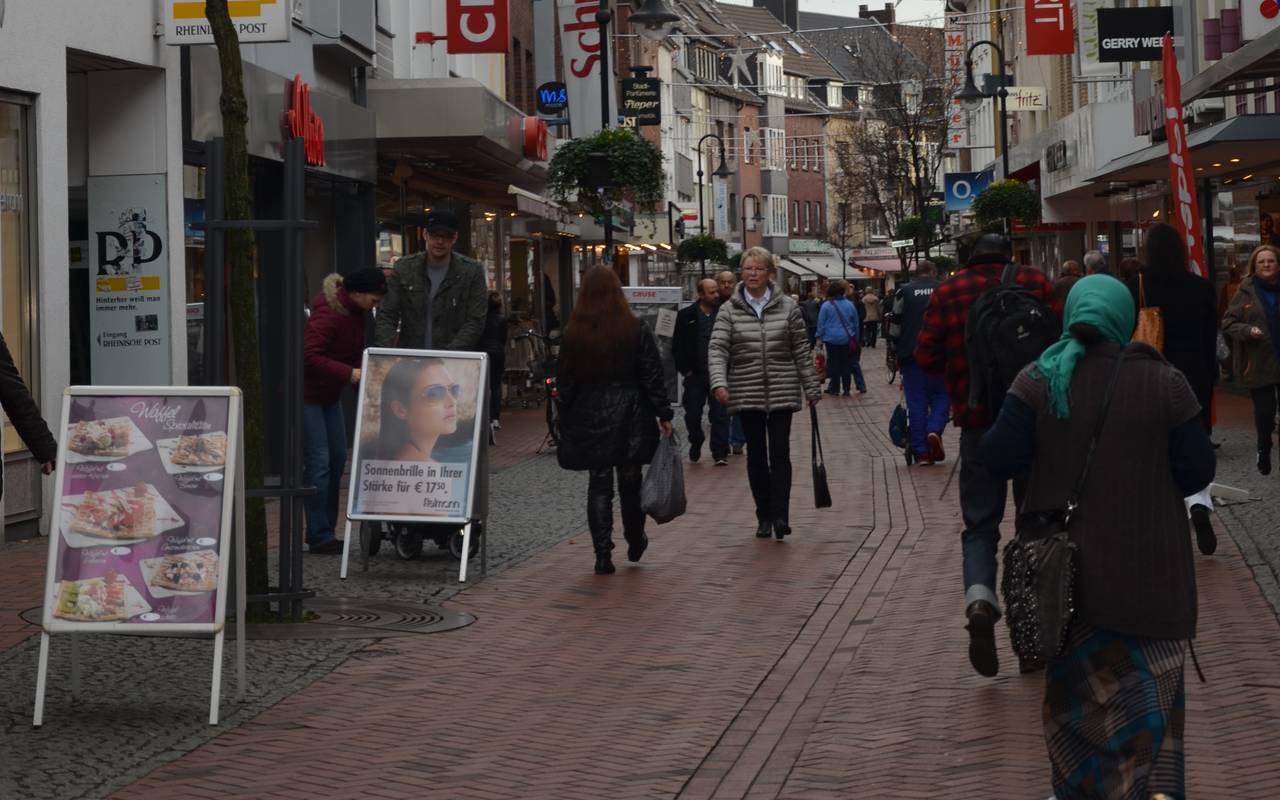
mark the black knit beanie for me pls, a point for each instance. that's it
(369, 280)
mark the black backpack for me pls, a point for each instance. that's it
(1008, 328)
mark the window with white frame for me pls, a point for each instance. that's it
(835, 94)
(775, 218)
(777, 148)
(815, 155)
(819, 221)
(795, 216)
(773, 80)
(808, 220)
(747, 141)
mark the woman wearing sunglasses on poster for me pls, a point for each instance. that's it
(419, 405)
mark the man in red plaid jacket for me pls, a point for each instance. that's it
(941, 348)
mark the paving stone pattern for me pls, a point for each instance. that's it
(831, 665)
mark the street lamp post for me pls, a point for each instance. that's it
(722, 171)
(971, 98)
(757, 218)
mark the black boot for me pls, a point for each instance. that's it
(764, 529)
(629, 481)
(982, 638)
(1264, 461)
(781, 528)
(600, 518)
(604, 563)
(1206, 539)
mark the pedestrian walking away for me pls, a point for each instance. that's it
(855, 357)
(810, 308)
(1135, 585)
(332, 348)
(614, 401)
(1069, 276)
(873, 316)
(941, 348)
(493, 341)
(437, 299)
(726, 282)
(762, 369)
(928, 407)
(1252, 323)
(1095, 263)
(1188, 307)
(689, 344)
(838, 331)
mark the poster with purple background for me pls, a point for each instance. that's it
(140, 528)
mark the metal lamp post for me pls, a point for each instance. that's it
(971, 97)
(757, 218)
(722, 171)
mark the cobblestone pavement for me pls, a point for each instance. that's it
(831, 665)
(151, 705)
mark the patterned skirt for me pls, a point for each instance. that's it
(1114, 710)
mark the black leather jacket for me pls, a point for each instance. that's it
(23, 412)
(614, 424)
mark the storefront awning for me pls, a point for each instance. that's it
(1237, 148)
(828, 267)
(1257, 60)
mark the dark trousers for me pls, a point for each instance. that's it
(982, 505)
(839, 367)
(769, 462)
(497, 365)
(600, 506)
(697, 393)
(870, 329)
(1264, 414)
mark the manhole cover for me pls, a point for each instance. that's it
(349, 618)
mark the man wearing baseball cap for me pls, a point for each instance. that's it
(437, 299)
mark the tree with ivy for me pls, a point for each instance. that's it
(242, 311)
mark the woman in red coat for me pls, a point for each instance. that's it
(332, 346)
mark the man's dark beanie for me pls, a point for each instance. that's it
(369, 280)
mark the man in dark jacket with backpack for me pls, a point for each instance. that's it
(976, 356)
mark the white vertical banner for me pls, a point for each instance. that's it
(129, 257)
(1089, 48)
(580, 46)
(721, 195)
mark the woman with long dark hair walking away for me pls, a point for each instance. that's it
(762, 370)
(613, 401)
(1114, 705)
(1252, 322)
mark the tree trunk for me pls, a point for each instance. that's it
(243, 311)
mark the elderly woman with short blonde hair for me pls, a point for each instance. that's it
(762, 370)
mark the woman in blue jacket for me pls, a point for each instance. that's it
(838, 324)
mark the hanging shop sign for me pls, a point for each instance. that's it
(129, 255)
(959, 188)
(301, 122)
(149, 482)
(953, 53)
(1090, 40)
(535, 138)
(1182, 180)
(477, 26)
(1132, 34)
(580, 52)
(1258, 18)
(553, 97)
(420, 418)
(642, 100)
(255, 21)
(1049, 28)
(1027, 98)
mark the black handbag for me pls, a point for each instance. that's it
(1040, 566)
(821, 492)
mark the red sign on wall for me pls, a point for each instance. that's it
(535, 138)
(1050, 30)
(477, 26)
(1186, 208)
(301, 121)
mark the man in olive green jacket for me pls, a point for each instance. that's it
(436, 300)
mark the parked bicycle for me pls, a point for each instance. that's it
(543, 369)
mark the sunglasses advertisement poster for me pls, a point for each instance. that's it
(420, 417)
(142, 512)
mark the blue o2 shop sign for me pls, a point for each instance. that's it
(553, 97)
(962, 187)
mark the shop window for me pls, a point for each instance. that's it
(16, 278)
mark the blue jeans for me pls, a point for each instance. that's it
(982, 504)
(697, 393)
(324, 455)
(736, 436)
(928, 406)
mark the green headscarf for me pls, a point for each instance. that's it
(1103, 303)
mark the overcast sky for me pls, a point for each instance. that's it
(908, 10)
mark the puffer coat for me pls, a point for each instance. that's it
(613, 423)
(1255, 360)
(765, 362)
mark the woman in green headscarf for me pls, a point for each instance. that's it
(1135, 595)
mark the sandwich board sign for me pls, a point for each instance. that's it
(150, 481)
(421, 426)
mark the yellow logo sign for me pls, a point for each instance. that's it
(188, 9)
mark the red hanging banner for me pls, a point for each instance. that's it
(477, 26)
(1050, 31)
(1186, 208)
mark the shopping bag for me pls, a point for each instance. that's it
(662, 492)
(1150, 328)
(898, 426)
(820, 360)
(821, 492)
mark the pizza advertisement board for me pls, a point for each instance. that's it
(143, 510)
(418, 426)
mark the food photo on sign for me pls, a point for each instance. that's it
(140, 511)
(419, 421)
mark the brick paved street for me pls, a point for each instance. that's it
(829, 666)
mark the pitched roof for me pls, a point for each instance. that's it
(763, 28)
(862, 49)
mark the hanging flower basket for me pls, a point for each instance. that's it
(632, 169)
(1006, 201)
(704, 247)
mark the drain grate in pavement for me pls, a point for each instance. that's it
(350, 618)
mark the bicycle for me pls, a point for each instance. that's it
(544, 371)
